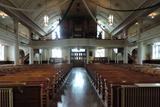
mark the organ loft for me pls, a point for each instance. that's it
(79, 53)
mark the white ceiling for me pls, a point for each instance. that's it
(36, 9)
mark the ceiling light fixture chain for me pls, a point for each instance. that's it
(110, 17)
(126, 10)
(31, 10)
(3, 14)
(93, 17)
(64, 16)
(46, 18)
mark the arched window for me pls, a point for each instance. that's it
(100, 31)
(56, 53)
(115, 50)
(156, 50)
(100, 53)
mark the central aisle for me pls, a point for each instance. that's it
(78, 91)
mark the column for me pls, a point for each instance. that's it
(30, 55)
(48, 55)
(125, 55)
(40, 55)
(140, 53)
(140, 43)
(124, 36)
(69, 55)
(109, 54)
(109, 36)
(44, 55)
(87, 56)
(106, 54)
(16, 47)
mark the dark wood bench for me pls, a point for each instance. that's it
(110, 80)
(34, 85)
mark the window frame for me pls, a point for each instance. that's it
(156, 50)
(58, 52)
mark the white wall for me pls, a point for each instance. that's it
(10, 53)
(66, 54)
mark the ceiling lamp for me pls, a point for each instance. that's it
(152, 15)
(3, 15)
(46, 20)
(110, 20)
(136, 23)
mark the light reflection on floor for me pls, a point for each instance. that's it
(78, 81)
(78, 91)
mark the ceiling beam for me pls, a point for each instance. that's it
(134, 16)
(24, 20)
(24, 3)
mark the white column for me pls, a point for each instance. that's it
(16, 47)
(47, 55)
(30, 55)
(69, 56)
(110, 54)
(124, 36)
(106, 52)
(125, 55)
(44, 55)
(40, 56)
(140, 53)
(140, 44)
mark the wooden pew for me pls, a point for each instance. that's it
(110, 80)
(34, 85)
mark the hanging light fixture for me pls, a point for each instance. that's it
(110, 17)
(46, 18)
(3, 15)
(152, 15)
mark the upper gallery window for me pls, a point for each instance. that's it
(56, 32)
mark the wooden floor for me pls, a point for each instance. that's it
(78, 91)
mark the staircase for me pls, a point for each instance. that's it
(26, 59)
(130, 59)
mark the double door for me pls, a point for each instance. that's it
(78, 58)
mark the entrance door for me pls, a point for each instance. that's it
(78, 56)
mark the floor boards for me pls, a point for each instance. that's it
(77, 91)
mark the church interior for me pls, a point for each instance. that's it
(79, 53)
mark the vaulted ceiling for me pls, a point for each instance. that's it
(35, 10)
